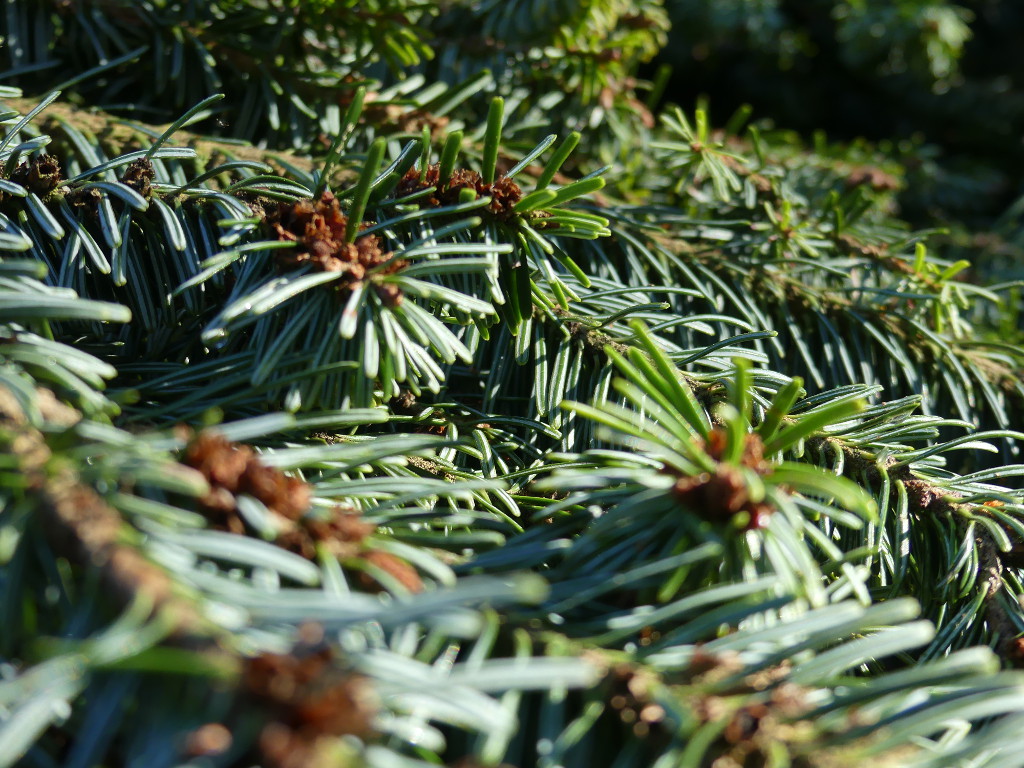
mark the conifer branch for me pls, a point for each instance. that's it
(125, 136)
(83, 527)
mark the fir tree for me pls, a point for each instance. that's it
(401, 384)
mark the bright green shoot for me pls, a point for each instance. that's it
(724, 470)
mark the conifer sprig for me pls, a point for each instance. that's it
(484, 410)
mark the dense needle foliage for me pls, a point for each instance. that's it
(408, 384)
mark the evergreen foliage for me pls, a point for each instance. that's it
(407, 384)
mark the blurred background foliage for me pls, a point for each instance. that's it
(935, 85)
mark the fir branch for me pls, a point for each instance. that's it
(86, 529)
(770, 283)
(124, 135)
(606, 393)
(927, 501)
